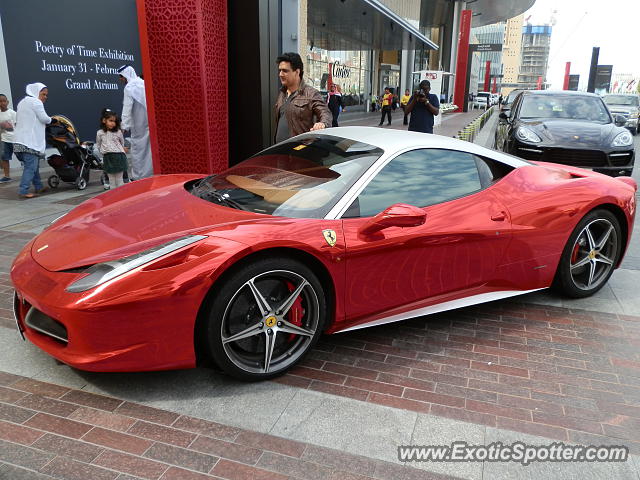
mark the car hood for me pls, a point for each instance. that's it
(131, 219)
(574, 133)
(626, 109)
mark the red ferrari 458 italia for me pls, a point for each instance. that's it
(329, 231)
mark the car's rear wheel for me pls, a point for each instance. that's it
(265, 318)
(590, 255)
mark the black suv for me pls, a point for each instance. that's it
(572, 128)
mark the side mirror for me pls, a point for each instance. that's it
(503, 115)
(397, 215)
(620, 120)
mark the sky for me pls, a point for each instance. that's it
(580, 25)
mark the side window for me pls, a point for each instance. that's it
(421, 178)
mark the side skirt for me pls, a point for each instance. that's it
(442, 307)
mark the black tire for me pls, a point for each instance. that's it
(292, 332)
(590, 255)
(53, 181)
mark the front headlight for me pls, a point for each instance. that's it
(103, 272)
(623, 139)
(525, 134)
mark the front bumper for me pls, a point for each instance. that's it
(143, 321)
(619, 161)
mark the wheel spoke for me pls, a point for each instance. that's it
(270, 342)
(592, 242)
(603, 259)
(246, 333)
(592, 272)
(262, 303)
(604, 238)
(288, 303)
(580, 263)
(291, 328)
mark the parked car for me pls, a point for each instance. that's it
(329, 231)
(508, 99)
(482, 100)
(572, 128)
(627, 105)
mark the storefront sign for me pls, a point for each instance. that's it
(339, 71)
(486, 47)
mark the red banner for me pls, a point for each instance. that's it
(459, 96)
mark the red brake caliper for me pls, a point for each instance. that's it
(296, 312)
(574, 254)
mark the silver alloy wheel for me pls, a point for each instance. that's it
(259, 328)
(593, 254)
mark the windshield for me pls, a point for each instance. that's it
(568, 107)
(630, 100)
(512, 96)
(301, 179)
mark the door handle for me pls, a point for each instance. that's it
(499, 217)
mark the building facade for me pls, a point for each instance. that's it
(536, 41)
(490, 36)
(209, 65)
(512, 54)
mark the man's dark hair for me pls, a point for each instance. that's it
(294, 60)
(3, 95)
(425, 83)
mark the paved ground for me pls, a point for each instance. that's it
(534, 369)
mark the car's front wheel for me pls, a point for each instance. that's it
(265, 318)
(590, 255)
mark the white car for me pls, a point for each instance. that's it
(482, 100)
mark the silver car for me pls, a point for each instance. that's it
(627, 105)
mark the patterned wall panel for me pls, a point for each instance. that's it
(187, 65)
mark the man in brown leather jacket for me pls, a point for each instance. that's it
(297, 103)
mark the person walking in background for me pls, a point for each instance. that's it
(29, 141)
(7, 124)
(134, 120)
(374, 102)
(299, 107)
(334, 101)
(423, 107)
(403, 104)
(110, 143)
(387, 98)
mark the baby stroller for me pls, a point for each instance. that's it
(74, 160)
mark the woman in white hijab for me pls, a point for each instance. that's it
(29, 137)
(134, 119)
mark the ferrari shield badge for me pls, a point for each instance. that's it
(330, 236)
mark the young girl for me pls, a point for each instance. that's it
(110, 143)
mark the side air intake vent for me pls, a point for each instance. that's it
(46, 325)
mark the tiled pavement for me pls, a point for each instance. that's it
(567, 375)
(65, 433)
(502, 371)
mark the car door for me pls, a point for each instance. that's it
(459, 245)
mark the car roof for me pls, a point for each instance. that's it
(391, 140)
(559, 92)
